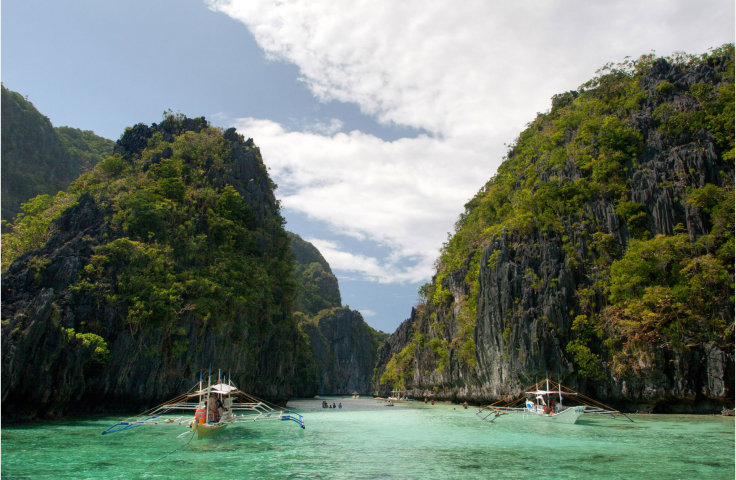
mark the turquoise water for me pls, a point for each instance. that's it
(366, 440)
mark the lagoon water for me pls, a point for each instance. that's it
(367, 440)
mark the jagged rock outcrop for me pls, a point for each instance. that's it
(344, 349)
(521, 332)
(533, 282)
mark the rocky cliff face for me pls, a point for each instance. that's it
(521, 333)
(433, 364)
(532, 290)
(344, 349)
(342, 346)
(124, 304)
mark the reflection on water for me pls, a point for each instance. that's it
(367, 440)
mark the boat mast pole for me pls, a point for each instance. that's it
(209, 382)
(559, 389)
(548, 392)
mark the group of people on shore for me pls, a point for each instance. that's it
(325, 404)
(465, 404)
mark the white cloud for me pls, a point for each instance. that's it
(368, 313)
(370, 268)
(320, 128)
(458, 68)
(471, 73)
(404, 194)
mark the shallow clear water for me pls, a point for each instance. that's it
(366, 440)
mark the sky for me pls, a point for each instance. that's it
(378, 122)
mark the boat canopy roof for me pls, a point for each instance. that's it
(222, 388)
(550, 392)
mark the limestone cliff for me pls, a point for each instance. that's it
(344, 349)
(584, 259)
(171, 257)
(342, 345)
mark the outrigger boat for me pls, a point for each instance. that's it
(535, 403)
(213, 408)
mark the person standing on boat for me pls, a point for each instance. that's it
(212, 409)
(220, 408)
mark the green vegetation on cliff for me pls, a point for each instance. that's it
(171, 249)
(190, 246)
(38, 158)
(658, 289)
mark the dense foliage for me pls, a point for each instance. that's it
(38, 158)
(672, 291)
(31, 228)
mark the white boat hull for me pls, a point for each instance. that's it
(568, 416)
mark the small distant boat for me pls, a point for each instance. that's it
(543, 401)
(397, 395)
(214, 407)
(356, 395)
